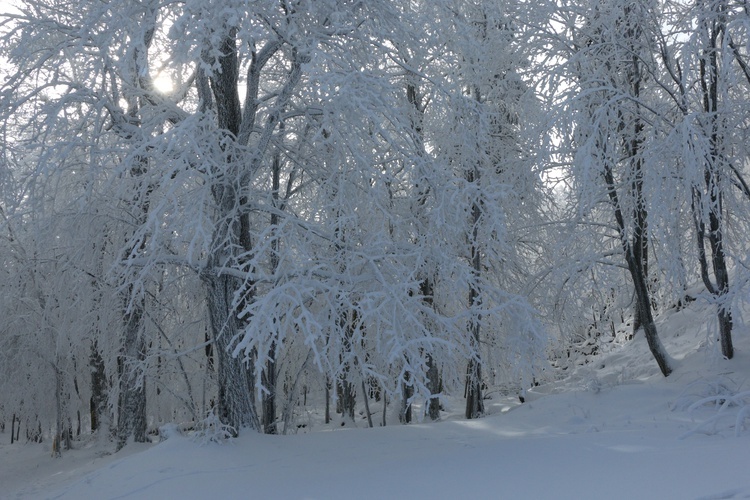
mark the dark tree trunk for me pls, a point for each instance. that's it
(328, 400)
(640, 285)
(268, 376)
(407, 391)
(268, 379)
(132, 402)
(433, 375)
(346, 397)
(346, 392)
(632, 130)
(713, 27)
(98, 401)
(623, 75)
(132, 398)
(57, 440)
(426, 286)
(68, 438)
(366, 398)
(474, 401)
(433, 384)
(640, 233)
(385, 410)
(236, 401)
(232, 238)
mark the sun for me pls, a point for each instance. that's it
(163, 83)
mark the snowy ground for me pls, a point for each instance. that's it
(614, 429)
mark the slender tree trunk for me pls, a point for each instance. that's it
(345, 390)
(426, 285)
(433, 384)
(474, 401)
(640, 218)
(433, 375)
(288, 410)
(632, 130)
(622, 62)
(346, 396)
(385, 409)
(268, 376)
(98, 401)
(713, 29)
(366, 397)
(57, 440)
(639, 281)
(407, 391)
(268, 379)
(328, 400)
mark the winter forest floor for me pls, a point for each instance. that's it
(613, 429)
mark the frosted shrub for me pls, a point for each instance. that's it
(212, 430)
(731, 407)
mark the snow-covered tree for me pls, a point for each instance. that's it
(608, 112)
(707, 65)
(346, 180)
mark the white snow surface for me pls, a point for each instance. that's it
(615, 428)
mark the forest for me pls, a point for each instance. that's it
(230, 214)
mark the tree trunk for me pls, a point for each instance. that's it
(268, 375)
(640, 232)
(232, 237)
(236, 401)
(433, 375)
(287, 412)
(132, 399)
(98, 401)
(474, 402)
(346, 394)
(328, 400)
(632, 145)
(407, 391)
(640, 285)
(426, 285)
(57, 440)
(713, 29)
(346, 397)
(132, 402)
(433, 384)
(385, 409)
(366, 398)
(268, 403)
